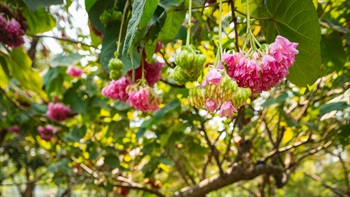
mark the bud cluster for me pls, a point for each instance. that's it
(143, 98)
(261, 70)
(57, 111)
(116, 66)
(11, 32)
(189, 65)
(74, 71)
(219, 91)
(47, 132)
(117, 89)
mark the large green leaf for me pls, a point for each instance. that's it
(167, 108)
(76, 134)
(33, 5)
(142, 11)
(333, 106)
(118, 129)
(39, 21)
(75, 99)
(297, 20)
(333, 54)
(19, 65)
(65, 60)
(172, 25)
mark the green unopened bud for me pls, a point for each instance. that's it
(115, 74)
(115, 64)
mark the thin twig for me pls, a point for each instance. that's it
(62, 39)
(318, 179)
(212, 147)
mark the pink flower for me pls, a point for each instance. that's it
(213, 77)
(261, 72)
(144, 100)
(47, 132)
(227, 109)
(211, 105)
(11, 33)
(14, 129)
(117, 89)
(74, 71)
(153, 72)
(284, 51)
(57, 111)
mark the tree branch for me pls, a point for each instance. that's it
(318, 179)
(213, 149)
(234, 174)
(62, 39)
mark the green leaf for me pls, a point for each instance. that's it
(112, 161)
(89, 4)
(91, 87)
(172, 25)
(297, 20)
(19, 65)
(60, 166)
(333, 106)
(76, 134)
(109, 45)
(143, 128)
(166, 161)
(333, 54)
(75, 100)
(118, 128)
(166, 4)
(33, 5)
(39, 21)
(50, 75)
(142, 11)
(65, 60)
(4, 73)
(169, 107)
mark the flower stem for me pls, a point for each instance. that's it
(220, 27)
(121, 25)
(189, 23)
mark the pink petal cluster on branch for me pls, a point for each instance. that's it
(47, 132)
(117, 89)
(261, 71)
(143, 99)
(74, 71)
(57, 111)
(11, 32)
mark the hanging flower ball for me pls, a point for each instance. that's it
(57, 111)
(74, 71)
(117, 89)
(263, 69)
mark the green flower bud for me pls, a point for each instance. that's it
(115, 64)
(115, 74)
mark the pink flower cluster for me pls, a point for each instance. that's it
(11, 32)
(47, 132)
(144, 99)
(117, 89)
(226, 108)
(14, 129)
(260, 71)
(74, 71)
(57, 111)
(152, 72)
